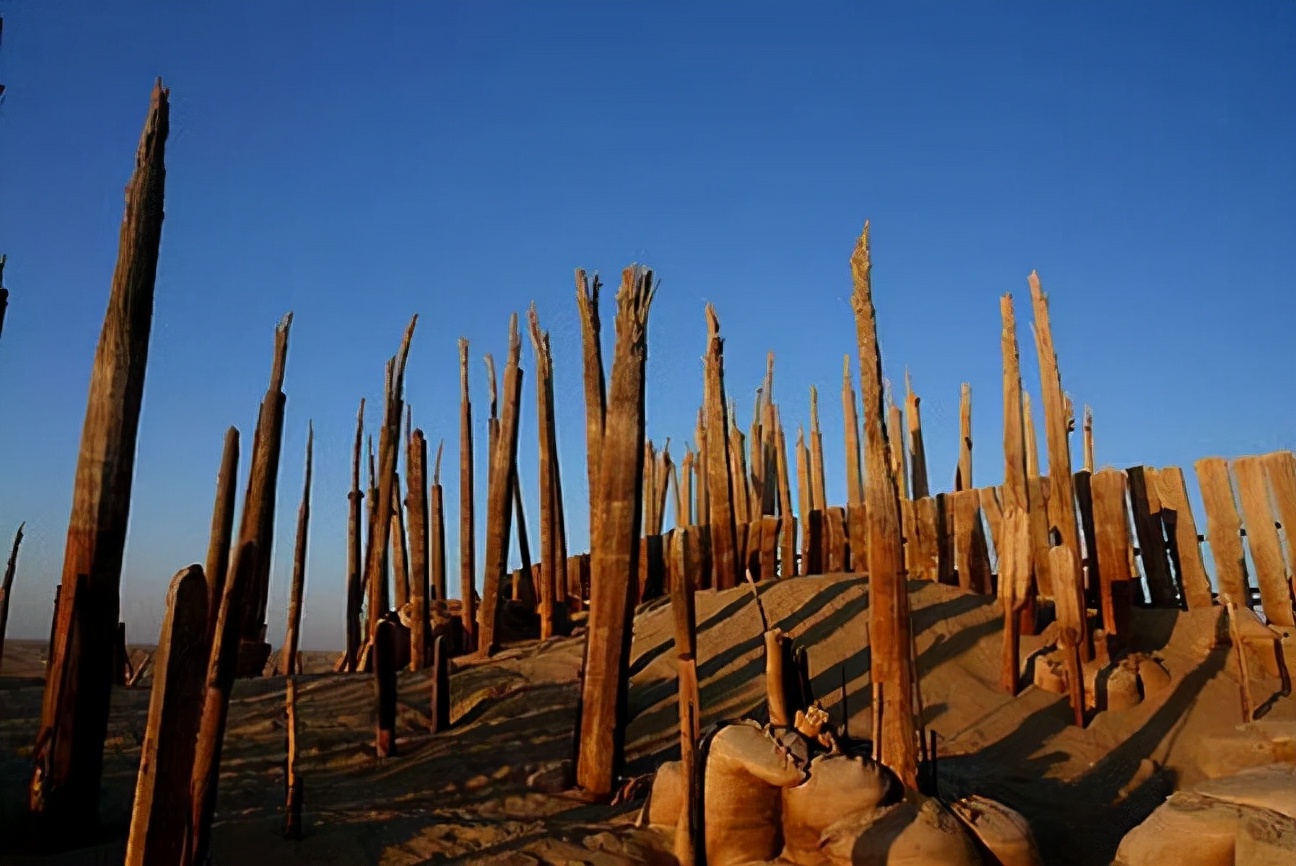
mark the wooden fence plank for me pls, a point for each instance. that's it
(1112, 554)
(1223, 530)
(1281, 469)
(1146, 507)
(925, 561)
(1181, 534)
(1262, 539)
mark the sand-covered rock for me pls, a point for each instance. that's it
(1255, 744)
(839, 786)
(1004, 833)
(1266, 838)
(665, 798)
(1272, 787)
(1187, 828)
(915, 832)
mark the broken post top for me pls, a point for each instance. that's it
(633, 300)
(587, 295)
(814, 409)
(280, 353)
(436, 472)
(463, 367)
(492, 387)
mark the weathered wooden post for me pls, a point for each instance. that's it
(6, 590)
(467, 532)
(720, 484)
(552, 557)
(1068, 588)
(1112, 556)
(1088, 440)
(160, 812)
(78, 683)
(1181, 530)
(805, 503)
(788, 524)
(222, 526)
(688, 838)
(615, 550)
(500, 498)
(1015, 553)
(917, 450)
(288, 657)
(222, 666)
(890, 628)
(819, 500)
(438, 553)
(259, 507)
(963, 476)
(416, 509)
(1223, 530)
(355, 554)
(587, 304)
(895, 438)
(1263, 541)
(294, 787)
(399, 547)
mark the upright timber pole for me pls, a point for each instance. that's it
(467, 536)
(79, 675)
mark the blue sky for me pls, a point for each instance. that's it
(357, 163)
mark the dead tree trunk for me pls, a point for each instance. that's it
(615, 550)
(289, 654)
(159, 815)
(720, 485)
(890, 628)
(467, 533)
(78, 684)
(499, 498)
(6, 590)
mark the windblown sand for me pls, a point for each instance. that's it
(482, 793)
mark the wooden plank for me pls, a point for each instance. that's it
(604, 689)
(1280, 466)
(1082, 481)
(1181, 533)
(835, 549)
(970, 562)
(725, 556)
(917, 450)
(1262, 539)
(1039, 533)
(160, 811)
(993, 512)
(1112, 552)
(946, 560)
(1223, 530)
(467, 527)
(1145, 505)
(963, 475)
(895, 441)
(850, 419)
(924, 564)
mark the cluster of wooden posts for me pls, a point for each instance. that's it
(1078, 539)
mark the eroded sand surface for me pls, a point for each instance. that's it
(483, 792)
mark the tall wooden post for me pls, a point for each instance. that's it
(78, 683)
(499, 498)
(552, 559)
(917, 450)
(587, 303)
(854, 480)
(222, 525)
(1068, 589)
(1015, 555)
(687, 836)
(416, 511)
(467, 532)
(720, 484)
(1032, 438)
(354, 581)
(1088, 440)
(160, 811)
(6, 590)
(615, 550)
(895, 437)
(437, 554)
(289, 654)
(963, 477)
(805, 500)
(890, 628)
(819, 500)
(787, 526)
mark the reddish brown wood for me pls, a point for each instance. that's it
(288, 657)
(963, 475)
(1112, 555)
(78, 684)
(416, 511)
(1263, 541)
(854, 479)
(1146, 506)
(1181, 533)
(222, 525)
(917, 450)
(804, 501)
(924, 560)
(1280, 466)
(725, 554)
(467, 533)
(1223, 530)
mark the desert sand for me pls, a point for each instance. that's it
(488, 791)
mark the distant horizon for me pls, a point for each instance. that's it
(459, 161)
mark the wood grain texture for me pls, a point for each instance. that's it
(1223, 530)
(1181, 533)
(1263, 541)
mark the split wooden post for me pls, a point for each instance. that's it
(804, 501)
(1068, 587)
(1280, 466)
(587, 304)
(159, 814)
(1088, 440)
(1146, 506)
(819, 500)
(854, 479)
(890, 627)
(1111, 557)
(963, 475)
(500, 497)
(720, 484)
(416, 512)
(222, 526)
(259, 506)
(467, 533)
(552, 557)
(615, 549)
(1262, 539)
(917, 450)
(895, 440)
(289, 654)
(1181, 530)
(355, 555)
(437, 554)
(399, 547)
(440, 703)
(78, 682)
(788, 525)
(222, 666)
(1032, 439)
(1223, 530)
(6, 590)
(687, 836)
(294, 786)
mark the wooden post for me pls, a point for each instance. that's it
(854, 480)
(970, 562)
(355, 579)
(1223, 530)
(416, 510)
(294, 787)
(1112, 554)
(720, 485)
(500, 498)
(467, 536)
(787, 528)
(221, 668)
(159, 814)
(804, 500)
(890, 627)
(222, 526)
(6, 590)
(1244, 676)
(440, 719)
(917, 451)
(1262, 539)
(963, 476)
(1068, 588)
(587, 304)
(1146, 505)
(923, 551)
(553, 555)
(1088, 440)
(687, 835)
(615, 550)
(1281, 469)
(289, 655)
(739, 487)
(1181, 530)
(819, 500)
(896, 437)
(78, 682)
(437, 553)
(1083, 483)
(385, 663)
(1032, 439)
(259, 506)
(399, 546)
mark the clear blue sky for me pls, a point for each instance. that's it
(356, 163)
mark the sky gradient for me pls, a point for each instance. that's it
(358, 163)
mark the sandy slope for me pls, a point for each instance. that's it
(464, 797)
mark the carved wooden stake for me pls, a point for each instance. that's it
(889, 621)
(6, 590)
(158, 818)
(720, 485)
(500, 498)
(467, 532)
(615, 550)
(289, 655)
(222, 527)
(78, 683)
(294, 787)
